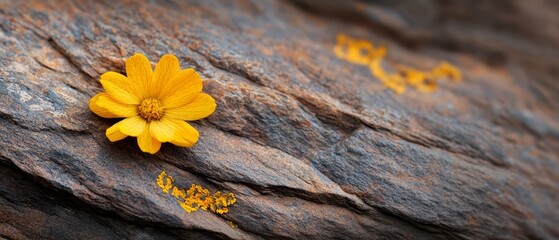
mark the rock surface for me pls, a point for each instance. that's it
(312, 146)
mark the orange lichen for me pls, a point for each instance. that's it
(422, 81)
(358, 51)
(167, 185)
(218, 202)
(363, 52)
(446, 69)
(392, 81)
(197, 197)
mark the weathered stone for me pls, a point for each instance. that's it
(312, 146)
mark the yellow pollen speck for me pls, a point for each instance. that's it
(151, 109)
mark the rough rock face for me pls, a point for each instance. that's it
(312, 146)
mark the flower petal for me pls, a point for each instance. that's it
(138, 70)
(187, 135)
(165, 70)
(119, 88)
(181, 89)
(163, 130)
(202, 106)
(133, 126)
(119, 109)
(147, 143)
(100, 111)
(114, 134)
(173, 130)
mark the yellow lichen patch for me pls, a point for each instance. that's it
(197, 197)
(178, 193)
(363, 52)
(219, 202)
(446, 69)
(422, 81)
(167, 184)
(358, 51)
(392, 81)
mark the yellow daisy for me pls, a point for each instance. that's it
(155, 104)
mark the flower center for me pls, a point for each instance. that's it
(151, 109)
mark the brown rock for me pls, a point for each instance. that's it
(312, 146)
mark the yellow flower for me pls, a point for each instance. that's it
(155, 104)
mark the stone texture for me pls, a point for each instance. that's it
(312, 146)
